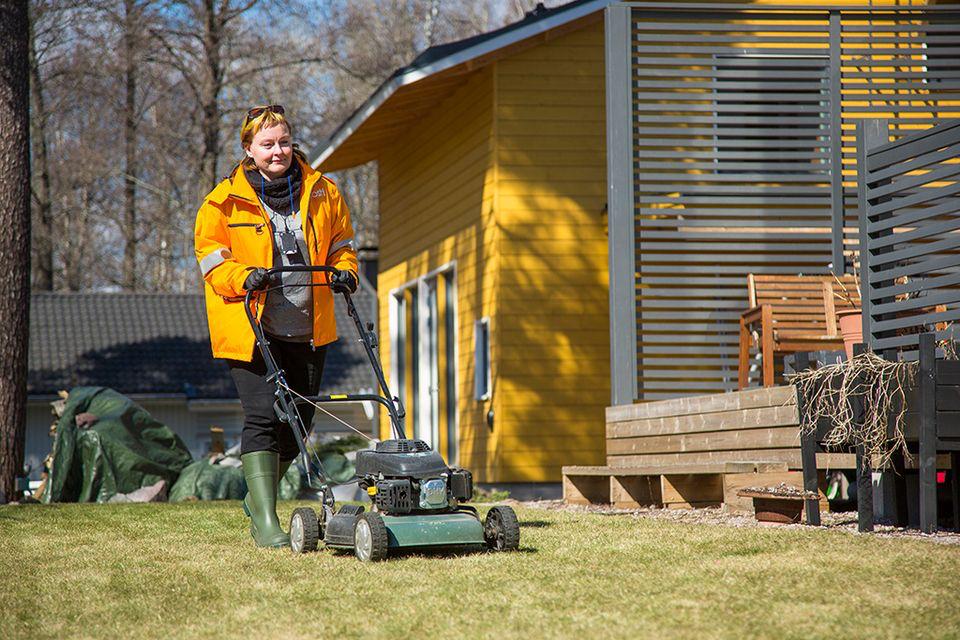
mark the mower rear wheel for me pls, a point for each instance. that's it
(370, 538)
(501, 530)
(304, 530)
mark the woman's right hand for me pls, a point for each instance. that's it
(258, 279)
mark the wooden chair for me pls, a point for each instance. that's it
(792, 314)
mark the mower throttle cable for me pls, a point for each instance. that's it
(305, 399)
(305, 436)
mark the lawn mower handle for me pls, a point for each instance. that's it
(393, 404)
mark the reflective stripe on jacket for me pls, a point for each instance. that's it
(233, 235)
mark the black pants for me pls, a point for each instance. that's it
(262, 430)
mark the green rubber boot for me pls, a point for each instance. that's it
(260, 469)
(282, 471)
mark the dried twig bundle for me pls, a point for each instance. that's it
(828, 393)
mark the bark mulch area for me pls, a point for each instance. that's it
(845, 522)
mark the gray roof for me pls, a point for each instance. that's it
(158, 343)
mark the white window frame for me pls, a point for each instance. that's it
(482, 375)
(396, 327)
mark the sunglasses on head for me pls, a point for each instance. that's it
(256, 112)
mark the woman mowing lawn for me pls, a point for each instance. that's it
(273, 210)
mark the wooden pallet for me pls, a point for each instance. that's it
(674, 486)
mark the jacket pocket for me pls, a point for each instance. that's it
(256, 225)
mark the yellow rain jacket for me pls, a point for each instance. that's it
(233, 235)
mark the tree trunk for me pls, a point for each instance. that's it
(130, 144)
(75, 237)
(15, 239)
(43, 234)
(211, 87)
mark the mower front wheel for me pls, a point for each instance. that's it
(304, 531)
(501, 530)
(370, 538)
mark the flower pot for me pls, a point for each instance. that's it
(778, 509)
(781, 508)
(851, 328)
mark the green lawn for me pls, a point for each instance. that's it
(186, 570)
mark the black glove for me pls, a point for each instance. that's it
(343, 282)
(258, 279)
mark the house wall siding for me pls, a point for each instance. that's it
(436, 207)
(551, 192)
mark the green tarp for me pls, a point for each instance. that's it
(124, 450)
(205, 481)
(336, 466)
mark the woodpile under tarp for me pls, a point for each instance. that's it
(106, 444)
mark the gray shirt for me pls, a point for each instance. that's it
(288, 312)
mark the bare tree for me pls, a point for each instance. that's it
(198, 42)
(172, 79)
(15, 241)
(49, 20)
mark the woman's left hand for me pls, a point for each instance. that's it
(343, 282)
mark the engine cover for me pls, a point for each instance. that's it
(401, 458)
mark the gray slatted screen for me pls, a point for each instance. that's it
(732, 176)
(903, 66)
(734, 115)
(912, 219)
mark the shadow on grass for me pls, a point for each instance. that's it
(610, 514)
(448, 553)
(439, 554)
(535, 524)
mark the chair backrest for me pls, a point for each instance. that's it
(804, 305)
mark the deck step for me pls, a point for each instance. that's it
(669, 486)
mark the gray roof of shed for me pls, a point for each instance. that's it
(157, 344)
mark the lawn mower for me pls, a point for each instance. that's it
(416, 499)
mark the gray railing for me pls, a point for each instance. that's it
(910, 217)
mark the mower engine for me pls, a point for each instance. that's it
(406, 476)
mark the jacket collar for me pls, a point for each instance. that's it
(237, 186)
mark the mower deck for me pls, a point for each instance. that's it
(434, 530)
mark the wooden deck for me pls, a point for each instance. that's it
(697, 451)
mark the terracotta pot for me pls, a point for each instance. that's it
(851, 328)
(778, 509)
(769, 507)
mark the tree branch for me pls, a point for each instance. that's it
(276, 65)
(174, 62)
(227, 15)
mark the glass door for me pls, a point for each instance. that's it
(423, 339)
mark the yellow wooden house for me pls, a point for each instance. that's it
(493, 248)
(510, 317)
